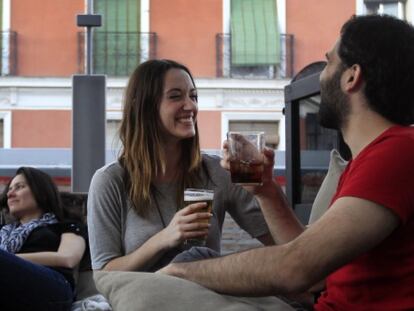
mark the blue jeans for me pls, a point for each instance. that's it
(28, 286)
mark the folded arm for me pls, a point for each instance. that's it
(68, 255)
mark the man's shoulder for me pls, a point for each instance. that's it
(392, 151)
(401, 141)
(395, 141)
(400, 133)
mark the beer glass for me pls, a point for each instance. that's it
(192, 196)
(246, 157)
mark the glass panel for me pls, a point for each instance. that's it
(112, 140)
(390, 9)
(372, 8)
(270, 128)
(316, 143)
(1, 133)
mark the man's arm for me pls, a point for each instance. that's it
(280, 218)
(349, 228)
(282, 222)
(266, 239)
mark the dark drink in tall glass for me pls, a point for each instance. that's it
(246, 157)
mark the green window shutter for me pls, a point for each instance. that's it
(255, 37)
(117, 42)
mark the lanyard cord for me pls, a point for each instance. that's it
(156, 191)
(159, 211)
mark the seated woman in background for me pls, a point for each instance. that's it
(38, 251)
(135, 219)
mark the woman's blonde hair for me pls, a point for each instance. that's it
(143, 154)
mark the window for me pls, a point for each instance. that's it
(270, 128)
(313, 136)
(5, 129)
(390, 7)
(271, 123)
(255, 38)
(112, 141)
(1, 133)
(117, 43)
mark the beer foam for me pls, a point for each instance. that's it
(193, 195)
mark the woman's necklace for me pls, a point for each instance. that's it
(157, 190)
(159, 211)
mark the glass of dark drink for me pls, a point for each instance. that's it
(192, 196)
(246, 157)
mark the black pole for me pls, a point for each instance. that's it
(88, 113)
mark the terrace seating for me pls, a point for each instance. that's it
(148, 291)
(75, 208)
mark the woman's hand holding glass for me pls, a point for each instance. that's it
(187, 223)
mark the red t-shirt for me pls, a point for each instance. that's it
(382, 278)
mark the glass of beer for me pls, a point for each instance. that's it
(192, 196)
(246, 157)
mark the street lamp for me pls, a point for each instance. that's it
(88, 113)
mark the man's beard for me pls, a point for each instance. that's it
(334, 106)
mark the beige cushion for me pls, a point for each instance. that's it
(328, 186)
(134, 291)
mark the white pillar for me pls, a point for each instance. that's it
(360, 7)
(145, 28)
(5, 27)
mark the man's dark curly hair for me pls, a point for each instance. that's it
(384, 48)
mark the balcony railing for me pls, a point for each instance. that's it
(8, 59)
(118, 53)
(225, 68)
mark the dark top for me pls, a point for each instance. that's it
(47, 239)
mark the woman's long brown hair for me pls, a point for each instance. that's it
(143, 155)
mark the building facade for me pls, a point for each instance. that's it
(242, 54)
(240, 73)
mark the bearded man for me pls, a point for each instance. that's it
(363, 245)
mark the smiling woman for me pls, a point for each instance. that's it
(37, 250)
(136, 215)
(178, 107)
(21, 202)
